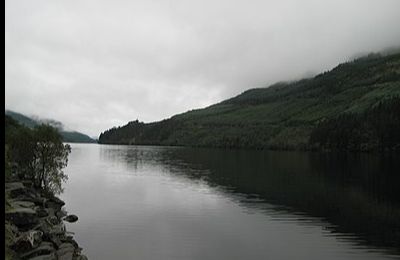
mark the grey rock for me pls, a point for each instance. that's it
(71, 218)
(22, 204)
(41, 216)
(13, 185)
(51, 256)
(53, 220)
(49, 228)
(39, 201)
(21, 216)
(27, 183)
(45, 248)
(50, 211)
(65, 251)
(54, 203)
(41, 212)
(15, 189)
(55, 239)
(60, 214)
(27, 241)
(82, 257)
(58, 229)
(71, 240)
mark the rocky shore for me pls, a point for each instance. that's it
(34, 226)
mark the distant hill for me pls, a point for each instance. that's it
(68, 136)
(355, 106)
(22, 119)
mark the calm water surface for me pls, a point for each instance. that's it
(142, 202)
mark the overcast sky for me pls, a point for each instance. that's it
(94, 64)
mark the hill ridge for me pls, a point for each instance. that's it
(282, 116)
(32, 121)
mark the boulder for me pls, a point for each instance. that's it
(41, 212)
(71, 240)
(51, 256)
(14, 185)
(60, 214)
(27, 183)
(50, 211)
(51, 226)
(54, 203)
(53, 220)
(27, 241)
(45, 248)
(65, 251)
(56, 239)
(40, 232)
(22, 204)
(71, 218)
(15, 189)
(39, 201)
(81, 257)
(57, 229)
(21, 216)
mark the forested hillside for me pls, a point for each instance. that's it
(68, 136)
(355, 106)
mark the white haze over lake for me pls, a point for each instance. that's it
(94, 64)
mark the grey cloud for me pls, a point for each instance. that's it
(96, 64)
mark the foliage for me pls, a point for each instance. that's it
(378, 128)
(36, 154)
(67, 136)
(51, 156)
(21, 145)
(281, 116)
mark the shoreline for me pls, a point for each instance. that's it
(35, 226)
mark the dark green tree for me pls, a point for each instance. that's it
(50, 157)
(21, 146)
(36, 154)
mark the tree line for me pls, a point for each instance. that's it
(377, 128)
(307, 114)
(37, 155)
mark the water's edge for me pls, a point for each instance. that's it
(35, 224)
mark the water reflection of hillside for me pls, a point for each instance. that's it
(356, 193)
